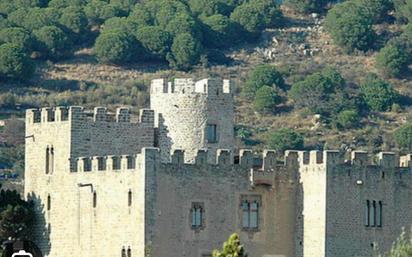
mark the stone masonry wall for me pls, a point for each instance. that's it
(183, 110)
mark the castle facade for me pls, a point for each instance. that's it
(173, 184)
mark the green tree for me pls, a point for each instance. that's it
(403, 10)
(119, 23)
(53, 42)
(257, 15)
(286, 139)
(378, 94)
(318, 91)
(232, 247)
(66, 3)
(266, 98)
(34, 18)
(403, 136)
(185, 52)
(18, 36)
(184, 23)
(117, 47)
(75, 22)
(307, 6)
(207, 7)
(348, 119)
(14, 63)
(155, 40)
(220, 31)
(378, 10)
(392, 60)
(262, 75)
(16, 215)
(350, 26)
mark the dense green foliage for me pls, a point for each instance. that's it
(53, 42)
(14, 63)
(348, 119)
(262, 75)
(232, 247)
(350, 26)
(378, 94)
(16, 215)
(307, 6)
(266, 98)
(403, 10)
(392, 60)
(186, 51)
(286, 139)
(403, 136)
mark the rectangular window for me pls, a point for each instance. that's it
(211, 133)
(250, 212)
(197, 215)
(379, 214)
(47, 160)
(101, 163)
(373, 214)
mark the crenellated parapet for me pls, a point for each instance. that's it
(79, 114)
(211, 86)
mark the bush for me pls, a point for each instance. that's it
(17, 36)
(155, 40)
(378, 94)
(53, 42)
(231, 247)
(307, 6)
(116, 47)
(186, 51)
(350, 26)
(14, 63)
(392, 60)
(403, 136)
(262, 75)
(286, 139)
(318, 91)
(348, 119)
(257, 15)
(265, 99)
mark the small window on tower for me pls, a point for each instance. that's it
(94, 199)
(48, 203)
(197, 215)
(211, 133)
(130, 198)
(47, 160)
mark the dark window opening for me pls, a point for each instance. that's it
(250, 214)
(367, 214)
(116, 163)
(211, 133)
(101, 163)
(48, 202)
(197, 213)
(124, 252)
(129, 252)
(131, 162)
(47, 160)
(379, 216)
(130, 198)
(373, 214)
(94, 199)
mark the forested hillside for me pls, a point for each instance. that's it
(309, 74)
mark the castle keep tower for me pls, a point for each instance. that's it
(193, 115)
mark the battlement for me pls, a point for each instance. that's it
(210, 86)
(78, 113)
(247, 160)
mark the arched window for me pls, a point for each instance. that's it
(124, 252)
(130, 198)
(129, 252)
(48, 202)
(94, 199)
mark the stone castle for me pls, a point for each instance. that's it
(172, 183)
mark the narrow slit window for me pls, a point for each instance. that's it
(124, 252)
(254, 209)
(48, 203)
(94, 199)
(130, 198)
(245, 214)
(47, 160)
(129, 252)
(367, 214)
(373, 214)
(379, 214)
(197, 212)
(51, 169)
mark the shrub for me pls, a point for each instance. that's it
(116, 47)
(286, 139)
(155, 40)
(262, 75)
(392, 60)
(350, 26)
(403, 136)
(378, 94)
(307, 6)
(231, 247)
(257, 15)
(185, 52)
(265, 99)
(348, 119)
(14, 63)
(54, 42)
(17, 36)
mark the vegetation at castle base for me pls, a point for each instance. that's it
(286, 139)
(402, 247)
(16, 215)
(232, 247)
(403, 137)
